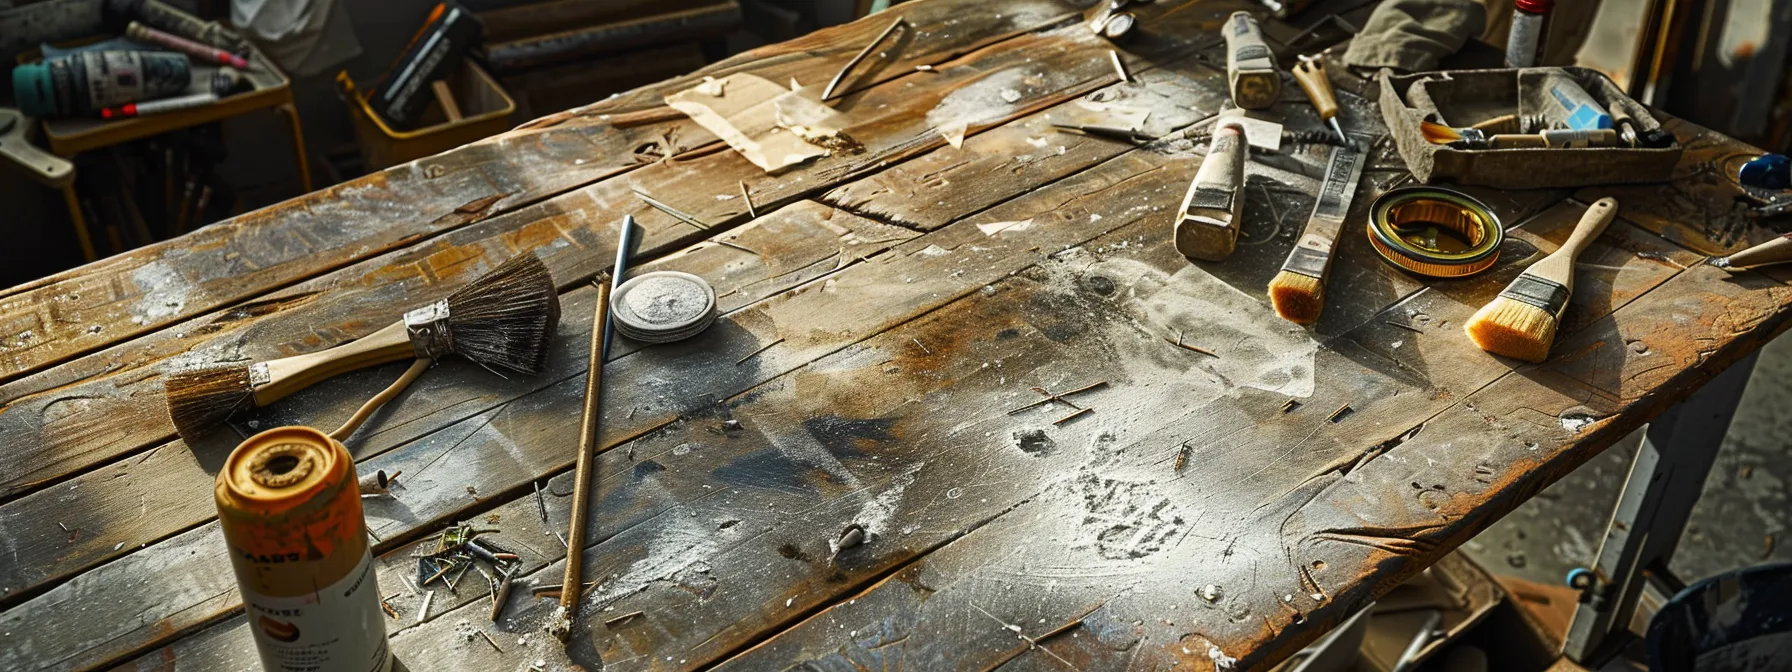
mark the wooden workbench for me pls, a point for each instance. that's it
(882, 315)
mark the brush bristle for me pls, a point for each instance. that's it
(1438, 133)
(1513, 328)
(507, 317)
(1297, 298)
(201, 399)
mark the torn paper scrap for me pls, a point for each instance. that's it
(1259, 132)
(773, 127)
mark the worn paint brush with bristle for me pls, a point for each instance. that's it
(503, 319)
(1521, 322)
(1298, 291)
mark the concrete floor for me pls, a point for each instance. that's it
(1741, 519)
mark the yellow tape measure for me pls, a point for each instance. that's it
(1435, 232)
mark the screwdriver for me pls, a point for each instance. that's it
(1310, 72)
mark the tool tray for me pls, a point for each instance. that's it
(1463, 98)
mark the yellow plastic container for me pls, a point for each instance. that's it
(485, 107)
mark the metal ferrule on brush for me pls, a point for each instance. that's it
(1528, 289)
(428, 330)
(1308, 260)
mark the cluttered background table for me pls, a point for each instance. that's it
(967, 400)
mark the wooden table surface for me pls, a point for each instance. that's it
(899, 301)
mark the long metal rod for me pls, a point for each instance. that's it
(624, 248)
(835, 84)
(561, 624)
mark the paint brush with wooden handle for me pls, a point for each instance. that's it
(1521, 322)
(503, 319)
(1298, 291)
(1776, 251)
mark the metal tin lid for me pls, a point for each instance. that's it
(663, 306)
(1433, 231)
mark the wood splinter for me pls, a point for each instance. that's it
(619, 619)
(761, 349)
(1338, 413)
(1178, 343)
(489, 640)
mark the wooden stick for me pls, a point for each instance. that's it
(445, 98)
(561, 623)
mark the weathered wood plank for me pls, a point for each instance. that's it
(459, 404)
(891, 124)
(932, 190)
(153, 287)
(1314, 553)
(50, 320)
(688, 378)
(686, 385)
(109, 505)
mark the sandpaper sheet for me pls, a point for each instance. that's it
(774, 127)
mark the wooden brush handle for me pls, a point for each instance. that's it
(1311, 75)
(1558, 267)
(1778, 250)
(1598, 216)
(289, 375)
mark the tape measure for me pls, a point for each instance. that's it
(1435, 232)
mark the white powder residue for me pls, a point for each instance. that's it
(874, 516)
(682, 544)
(1255, 348)
(983, 101)
(165, 292)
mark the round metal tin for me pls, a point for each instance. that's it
(1404, 223)
(663, 306)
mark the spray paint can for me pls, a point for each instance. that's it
(291, 512)
(1522, 41)
(84, 83)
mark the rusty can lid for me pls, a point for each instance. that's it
(663, 306)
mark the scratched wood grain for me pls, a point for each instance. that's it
(110, 504)
(933, 370)
(677, 380)
(83, 553)
(108, 302)
(1306, 556)
(1013, 317)
(1043, 69)
(1401, 387)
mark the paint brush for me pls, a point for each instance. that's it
(503, 319)
(1298, 291)
(1521, 322)
(1776, 251)
(1472, 138)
